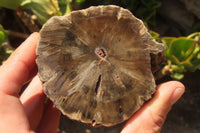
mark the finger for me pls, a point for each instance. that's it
(50, 121)
(19, 66)
(33, 101)
(151, 116)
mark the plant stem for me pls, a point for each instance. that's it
(17, 34)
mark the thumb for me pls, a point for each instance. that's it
(150, 118)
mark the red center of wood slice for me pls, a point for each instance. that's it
(101, 52)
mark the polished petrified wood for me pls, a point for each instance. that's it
(95, 64)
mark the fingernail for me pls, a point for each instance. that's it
(176, 95)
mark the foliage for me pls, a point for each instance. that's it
(155, 35)
(11, 4)
(144, 9)
(63, 6)
(3, 36)
(43, 9)
(182, 54)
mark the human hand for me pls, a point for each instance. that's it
(151, 117)
(25, 113)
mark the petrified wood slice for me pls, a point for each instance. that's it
(95, 64)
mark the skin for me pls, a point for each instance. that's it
(28, 113)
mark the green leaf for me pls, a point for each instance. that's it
(3, 34)
(43, 9)
(196, 65)
(151, 3)
(177, 68)
(62, 5)
(181, 48)
(155, 35)
(198, 55)
(9, 51)
(68, 7)
(11, 4)
(177, 76)
(194, 36)
(167, 40)
(79, 1)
